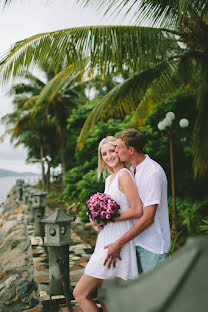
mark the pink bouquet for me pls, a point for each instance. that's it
(102, 208)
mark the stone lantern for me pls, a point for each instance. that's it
(29, 195)
(58, 238)
(38, 200)
(19, 184)
(25, 193)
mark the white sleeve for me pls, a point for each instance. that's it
(153, 189)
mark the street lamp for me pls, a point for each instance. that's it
(166, 125)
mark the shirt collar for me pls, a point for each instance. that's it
(143, 162)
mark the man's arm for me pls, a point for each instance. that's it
(144, 222)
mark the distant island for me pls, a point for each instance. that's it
(9, 173)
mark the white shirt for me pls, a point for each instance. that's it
(151, 182)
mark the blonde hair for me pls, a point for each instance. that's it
(102, 167)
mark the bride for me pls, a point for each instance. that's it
(121, 187)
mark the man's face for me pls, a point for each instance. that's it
(122, 150)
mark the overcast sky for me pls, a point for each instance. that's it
(23, 19)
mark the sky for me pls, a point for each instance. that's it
(23, 19)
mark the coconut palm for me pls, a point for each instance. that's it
(36, 134)
(170, 52)
(45, 107)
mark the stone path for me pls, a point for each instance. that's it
(79, 254)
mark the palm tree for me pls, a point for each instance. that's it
(59, 97)
(170, 52)
(36, 134)
(46, 105)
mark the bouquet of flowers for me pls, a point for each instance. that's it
(102, 208)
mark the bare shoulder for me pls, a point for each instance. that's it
(125, 174)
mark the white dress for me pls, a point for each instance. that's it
(127, 267)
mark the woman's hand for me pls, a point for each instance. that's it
(97, 226)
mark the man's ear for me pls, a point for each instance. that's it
(132, 150)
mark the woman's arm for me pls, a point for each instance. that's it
(129, 188)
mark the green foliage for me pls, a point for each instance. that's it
(189, 214)
(88, 186)
(174, 242)
(181, 103)
(55, 194)
(204, 227)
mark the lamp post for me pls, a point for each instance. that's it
(166, 125)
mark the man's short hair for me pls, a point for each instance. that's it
(132, 138)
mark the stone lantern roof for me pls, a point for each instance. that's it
(58, 216)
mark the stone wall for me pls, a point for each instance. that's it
(18, 289)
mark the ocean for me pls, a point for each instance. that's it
(6, 183)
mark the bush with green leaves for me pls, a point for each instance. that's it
(189, 215)
(182, 103)
(204, 226)
(88, 186)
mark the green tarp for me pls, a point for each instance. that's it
(179, 284)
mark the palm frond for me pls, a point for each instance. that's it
(22, 123)
(31, 102)
(51, 89)
(125, 97)
(6, 3)
(192, 11)
(108, 47)
(163, 13)
(146, 12)
(59, 82)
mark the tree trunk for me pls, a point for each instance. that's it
(42, 167)
(48, 176)
(174, 230)
(62, 148)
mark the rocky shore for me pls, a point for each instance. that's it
(18, 288)
(24, 271)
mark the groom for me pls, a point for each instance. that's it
(151, 232)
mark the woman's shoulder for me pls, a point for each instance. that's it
(124, 172)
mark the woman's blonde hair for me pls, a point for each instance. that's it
(102, 167)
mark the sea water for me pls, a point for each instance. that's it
(6, 183)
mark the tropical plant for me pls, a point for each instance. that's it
(190, 214)
(49, 103)
(174, 243)
(21, 124)
(204, 226)
(160, 57)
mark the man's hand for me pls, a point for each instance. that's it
(113, 253)
(96, 226)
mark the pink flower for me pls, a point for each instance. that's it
(103, 213)
(109, 210)
(102, 208)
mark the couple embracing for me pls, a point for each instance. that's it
(139, 239)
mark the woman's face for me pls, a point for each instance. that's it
(109, 155)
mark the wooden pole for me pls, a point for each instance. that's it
(174, 226)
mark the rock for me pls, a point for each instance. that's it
(6, 228)
(18, 288)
